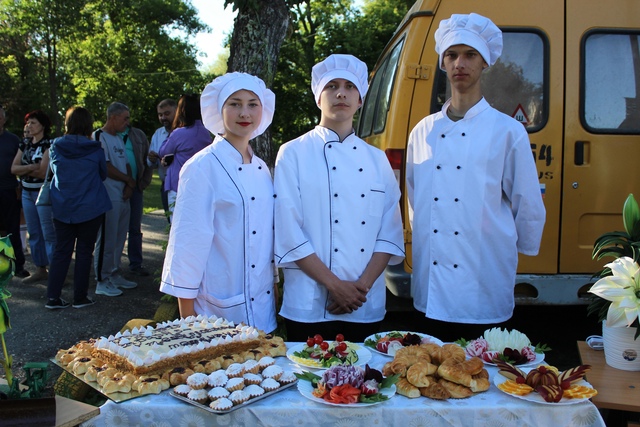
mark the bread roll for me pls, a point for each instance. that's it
(420, 373)
(435, 391)
(457, 391)
(407, 389)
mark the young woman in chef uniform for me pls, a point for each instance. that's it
(337, 216)
(474, 195)
(220, 254)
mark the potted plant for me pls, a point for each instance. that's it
(617, 292)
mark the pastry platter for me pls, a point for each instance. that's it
(116, 397)
(241, 405)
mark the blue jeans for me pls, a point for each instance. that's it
(134, 245)
(42, 234)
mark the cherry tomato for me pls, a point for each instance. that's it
(327, 356)
(317, 338)
(342, 346)
(324, 345)
(339, 337)
(310, 342)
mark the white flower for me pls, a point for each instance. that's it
(623, 290)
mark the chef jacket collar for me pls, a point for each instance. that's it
(231, 151)
(329, 135)
(473, 111)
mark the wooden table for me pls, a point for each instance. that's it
(617, 389)
(71, 412)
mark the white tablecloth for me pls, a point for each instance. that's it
(289, 408)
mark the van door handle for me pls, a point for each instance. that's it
(581, 153)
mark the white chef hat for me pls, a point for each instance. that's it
(218, 91)
(339, 66)
(472, 30)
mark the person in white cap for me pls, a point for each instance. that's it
(337, 218)
(219, 259)
(474, 195)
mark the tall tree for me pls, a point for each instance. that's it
(259, 30)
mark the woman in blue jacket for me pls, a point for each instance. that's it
(79, 201)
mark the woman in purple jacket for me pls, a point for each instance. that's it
(187, 137)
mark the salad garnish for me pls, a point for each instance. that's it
(343, 384)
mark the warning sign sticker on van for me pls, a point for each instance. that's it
(520, 115)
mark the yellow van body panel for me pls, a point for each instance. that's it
(583, 199)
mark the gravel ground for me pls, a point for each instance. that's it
(38, 333)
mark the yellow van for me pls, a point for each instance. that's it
(570, 72)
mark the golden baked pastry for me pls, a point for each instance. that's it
(81, 364)
(104, 375)
(229, 359)
(407, 389)
(457, 374)
(119, 383)
(150, 384)
(420, 374)
(435, 391)
(457, 391)
(92, 372)
(455, 351)
(177, 375)
(67, 356)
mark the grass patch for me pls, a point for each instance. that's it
(151, 195)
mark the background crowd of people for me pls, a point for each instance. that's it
(96, 178)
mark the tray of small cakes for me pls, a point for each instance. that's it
(151, 360)
(240, 384)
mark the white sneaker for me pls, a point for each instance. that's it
(105, 287)
(120, 282)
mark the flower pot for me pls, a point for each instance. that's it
(621, 351)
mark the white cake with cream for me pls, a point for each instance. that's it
(175, 343)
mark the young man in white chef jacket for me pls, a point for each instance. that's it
(474, 195)
(337, 218)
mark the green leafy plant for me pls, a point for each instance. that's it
(617, 292)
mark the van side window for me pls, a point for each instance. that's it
(611, 86)
(374, 111)
(515, 84)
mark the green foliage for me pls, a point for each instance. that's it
(319, 29)
(92, 52)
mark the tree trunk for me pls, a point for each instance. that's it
(259, 30)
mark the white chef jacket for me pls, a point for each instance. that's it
(338, 200)
(474, 203)
(220, 249)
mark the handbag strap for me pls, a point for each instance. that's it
(46, 176)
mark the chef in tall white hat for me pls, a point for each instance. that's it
(219, 258)
(337, 216)
(473, 190)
